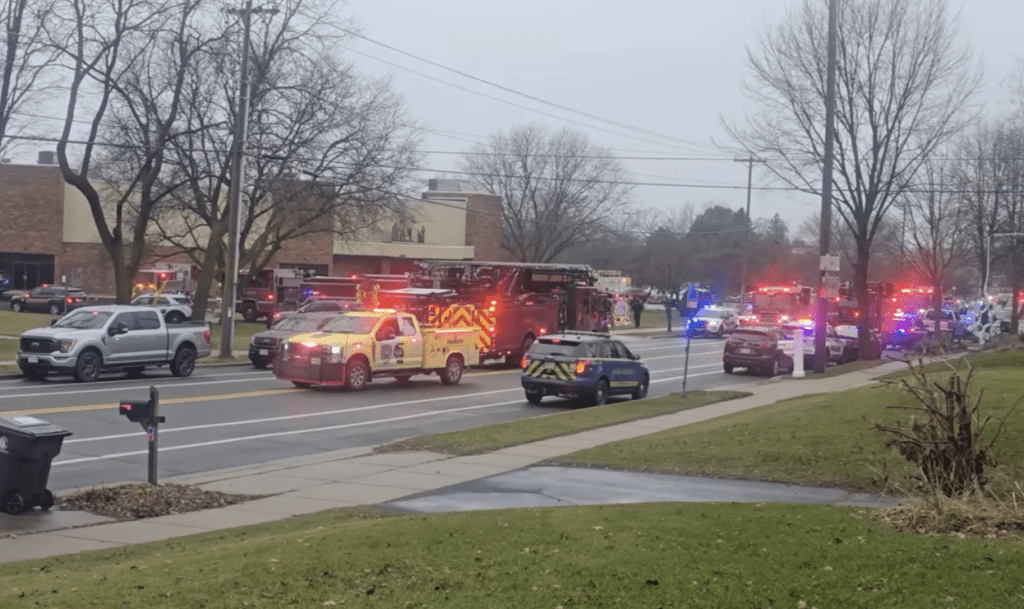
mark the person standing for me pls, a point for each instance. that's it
(637, 306)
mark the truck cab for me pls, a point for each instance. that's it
(360, 345)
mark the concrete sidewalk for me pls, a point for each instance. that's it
(359, 477)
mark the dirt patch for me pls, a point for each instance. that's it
(135, 501)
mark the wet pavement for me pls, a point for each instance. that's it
(546, 486)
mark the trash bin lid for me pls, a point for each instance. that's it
(27, 426)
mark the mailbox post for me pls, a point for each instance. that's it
(146, 414)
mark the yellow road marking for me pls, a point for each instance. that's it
(201, 398)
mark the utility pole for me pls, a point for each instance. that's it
(746, 231)
(229, 292)
(821, 318)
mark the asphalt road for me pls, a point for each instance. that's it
(233, 416)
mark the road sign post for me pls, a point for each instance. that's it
(691, 304)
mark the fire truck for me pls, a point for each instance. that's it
(515, 302)
(353, 287)
(269, 291)
(173, 278)
(780, 304)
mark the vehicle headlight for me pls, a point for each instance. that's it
(67, 345)
(336, 354)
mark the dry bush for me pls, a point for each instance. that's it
(969, 516)
(945, 436)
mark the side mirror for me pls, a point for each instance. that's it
(53, 321)
(120, 328)
(634, 356)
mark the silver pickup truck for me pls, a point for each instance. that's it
(98, 339)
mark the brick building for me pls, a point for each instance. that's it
(47, 234)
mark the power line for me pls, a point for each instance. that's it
(532, 97)
(503, 101)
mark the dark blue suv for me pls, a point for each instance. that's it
(587, 365)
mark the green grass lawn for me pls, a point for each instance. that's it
(827, 439)
(644, 555)
(493, 437)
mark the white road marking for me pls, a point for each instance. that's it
(304, 415)
(284, 433)
(71, 384)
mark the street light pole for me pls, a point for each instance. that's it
(746, 232)
(820, 321)
(229, 293)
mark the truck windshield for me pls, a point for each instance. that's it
(84, 320)
(348, 324)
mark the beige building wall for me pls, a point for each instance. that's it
(442, 224)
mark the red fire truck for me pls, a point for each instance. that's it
(780, 304)
(515, 302)
(269, 291)
(353, 287)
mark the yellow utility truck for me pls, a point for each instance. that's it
(360, 345)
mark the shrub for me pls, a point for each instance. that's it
(945, 436)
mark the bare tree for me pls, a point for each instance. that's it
(25, 61)
(935, 229)
(904, 86)
(557, 188)
(328, 150)
(103, 44)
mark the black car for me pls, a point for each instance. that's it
(264, 345)
(52, 299)
(339, 305)
(587, 365)
(757, 349)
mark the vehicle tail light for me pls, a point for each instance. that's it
(206, 335)
(67, 299)
(581, 366)
(525, 361)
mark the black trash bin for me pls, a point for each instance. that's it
(27, 446)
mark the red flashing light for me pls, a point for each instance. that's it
(355, 276)
(556, 340)
(270, 296)
(581, 366)
(524, 362)
(125, 406)
(68, 299)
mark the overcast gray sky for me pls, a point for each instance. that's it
(671, 67)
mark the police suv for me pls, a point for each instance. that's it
(586, 365)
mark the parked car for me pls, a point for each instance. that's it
(757, 349)
(91, 340)
(175, 309)
(334, 305)
(714, 321)
(52, 299)
(849, 335)
(587, 365)
(264, 345)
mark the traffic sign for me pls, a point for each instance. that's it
(691, 297)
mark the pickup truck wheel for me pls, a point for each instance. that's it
(135, 371)
(356, 375)
(184, 361)
(249, 312)
(88, 367)
(452, 373)
(16, 306)
(175, 317)
(55, 309)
